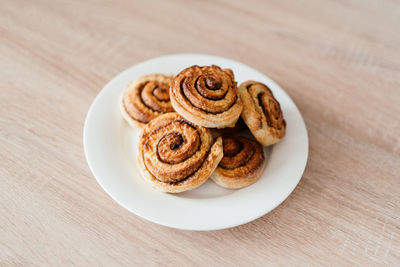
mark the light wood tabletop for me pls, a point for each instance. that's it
(338, 60)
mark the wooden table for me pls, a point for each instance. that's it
(338, 60)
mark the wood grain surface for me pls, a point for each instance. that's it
(338, 60)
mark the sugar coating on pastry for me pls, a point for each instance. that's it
(175, 155)
(145, 99)
(206, 96)
(242, 164)
(262, 113)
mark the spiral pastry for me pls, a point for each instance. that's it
(176, 155)
(206, 96)
(145, 99)
(242, 164)
(262, 113)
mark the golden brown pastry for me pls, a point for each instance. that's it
(206, 96)
(145, 99)
(176, 155)
(242, 164)
(262, 113)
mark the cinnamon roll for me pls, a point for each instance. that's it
(262, 113)
(207, 96)
(176, 155)
(145, 99)
(242, 164)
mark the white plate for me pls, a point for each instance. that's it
(110, 148)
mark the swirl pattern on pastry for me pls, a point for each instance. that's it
(262, 113)
(207, 96)
(145, 99)
(242, 164)
(175, 155)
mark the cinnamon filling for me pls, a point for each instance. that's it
(244, 157)
(155, 96)
(175, 150)
(147, 100)
(161, 93)
(213, 83)
(271, 110)
(208, 89)
(237, 152)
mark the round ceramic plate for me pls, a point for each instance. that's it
(111, 144)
